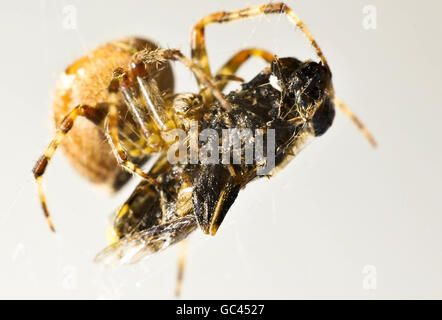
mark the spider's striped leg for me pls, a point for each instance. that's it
(199, 53)
(358, 123)
(204, 79)
(96, 115)
(234, 63)
(181, 267)
(112, 131)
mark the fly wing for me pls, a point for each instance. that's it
(142, 210)
(138, 245)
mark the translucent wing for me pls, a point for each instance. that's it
(136, 246)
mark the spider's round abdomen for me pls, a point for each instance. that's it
(86, 82)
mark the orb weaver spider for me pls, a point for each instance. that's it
(123, 91)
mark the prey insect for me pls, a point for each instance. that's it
(123, 92)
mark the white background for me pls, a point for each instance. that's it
(309, 232)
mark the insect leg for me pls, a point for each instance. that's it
(347, 111)
(199, 53)
(235, 62)
(95, 115)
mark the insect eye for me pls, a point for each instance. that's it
(323, 117)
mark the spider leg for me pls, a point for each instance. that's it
(221, 78)
(96, 115)
(347, 111)
(112, 131)
(181, 267)
(204, 79)
(234, 63)
(199, 53)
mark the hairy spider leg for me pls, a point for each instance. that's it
(112, 131)
(198, 45)
(347, 111)
(96, 115)
(236, 61)
(200, 57)
(204, 79)
(181, 266)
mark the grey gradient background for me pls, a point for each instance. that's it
(307, 233)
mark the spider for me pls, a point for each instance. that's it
(125, 91)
